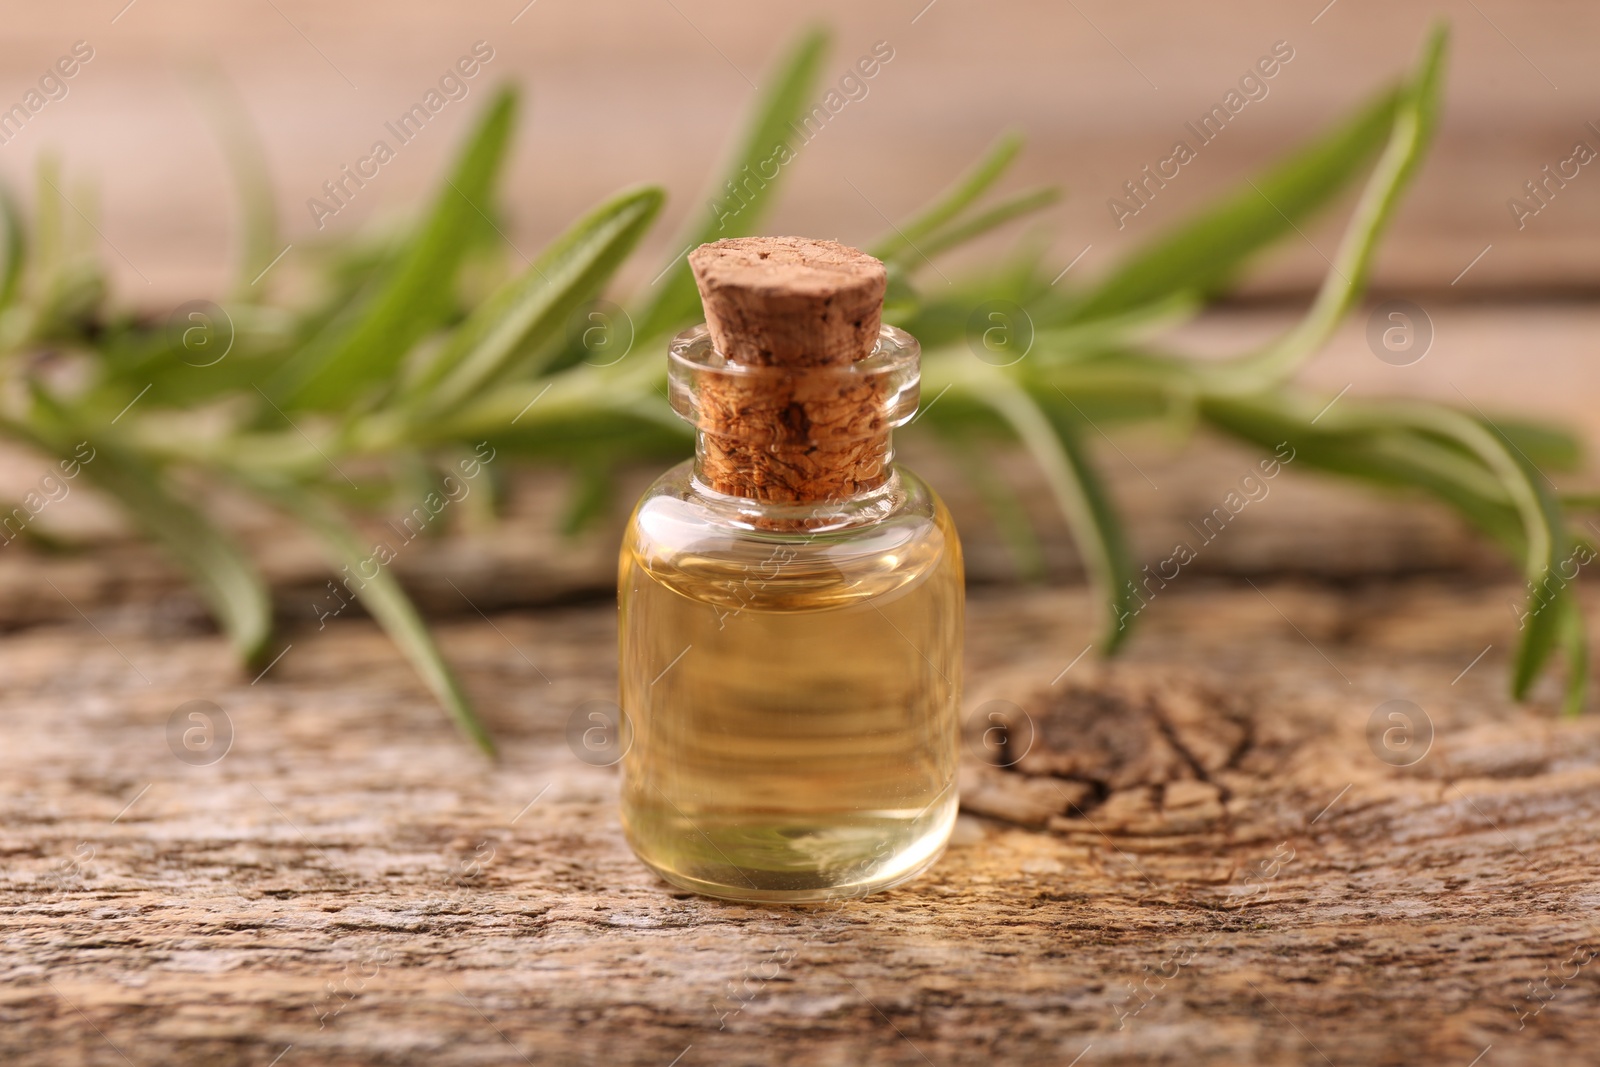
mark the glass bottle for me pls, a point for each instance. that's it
(790, 670)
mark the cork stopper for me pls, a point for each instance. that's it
(807, 309)
(790, 301)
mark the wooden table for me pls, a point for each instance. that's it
(1230, 873)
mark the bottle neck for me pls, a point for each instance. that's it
(753, 501)
(793, 445)
(793, 475)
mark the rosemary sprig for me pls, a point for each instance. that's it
(394, 370)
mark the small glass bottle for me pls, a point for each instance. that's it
(791, 601)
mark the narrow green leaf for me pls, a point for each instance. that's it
(592, 492)
(1415, 119)
(1537, 641)
(1072, 357)
(49, 237)
(1001, 502)
(416, 293)
(1575, 641)
(740, 202)
(67, 281)
(217, 565)
(383, 598)
(1539, 637)
(1078, 492)
(15, 245)
(1544, 445)
(220, 570)
(620, 410)
(1402, 443)
(1392, 456)
(968, 188)
(534, 305)
(1543, 525)
(1204, 254)
(241, 146)
(1536, 506)
(1015, 207)
(1581, 501)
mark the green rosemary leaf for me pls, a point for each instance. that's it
(1390, 456)
(247, 164)
(1102, 527)
(739, 204)
(1575, 642)
(49, 237)
(1108, 338)
(66, 282)
(388, 603)
(592, 491)
(15, 246)
(1539, 637)
(536, 305)
(1537, 507)
(1397, 444)
(1414, 122)
(618, 410)
(1545, 626)
(1015, 207)
(1544, 537)
(217, 566)
(900, 243)
(417, 291)
(1203, 255)
(1544, 445)
(1096, 529)
(999, 499)
(220, 570)
(901, 302)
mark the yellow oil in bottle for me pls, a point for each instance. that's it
(792, 698)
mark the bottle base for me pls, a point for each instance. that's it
(798, 864)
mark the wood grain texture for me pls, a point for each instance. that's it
(352, 881)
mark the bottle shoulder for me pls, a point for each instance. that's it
(700, 546)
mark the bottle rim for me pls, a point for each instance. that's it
(891, 374)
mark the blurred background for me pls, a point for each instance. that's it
(654, 90)
(639, 90)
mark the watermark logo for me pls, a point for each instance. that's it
(454, 84)
(201, 333)
(1000, 733)
(603, 330)
(1541, 189)
(1399, 733)
(1399, 332)
(599, 733)
(1000, 332)
(199, 733)
(1253, 85)
(52, 86)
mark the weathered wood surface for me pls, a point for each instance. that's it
(1202, 860)
(350, 884)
